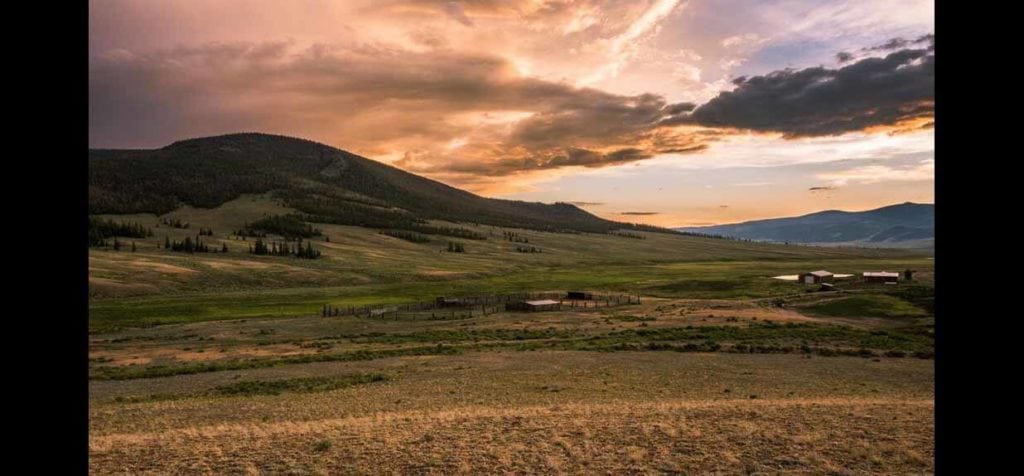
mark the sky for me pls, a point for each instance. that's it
(664, 112)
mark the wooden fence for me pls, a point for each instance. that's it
(472, 306)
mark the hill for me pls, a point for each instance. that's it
(328, 185)
(902, 225)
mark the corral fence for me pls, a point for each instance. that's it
(473, 306)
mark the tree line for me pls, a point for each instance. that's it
(174, 222)
(188, 245)
(515, 237)
(291, 226)
(406, 235)
(284, 249)
(628, 235)
(100, 230)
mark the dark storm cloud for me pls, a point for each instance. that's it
(368, 96)
(892, 44)
(843, 56)
(898, 43)
(819, 101)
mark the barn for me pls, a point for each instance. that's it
(447, 302)
(534, 306)
(816, 277)
(881, 277)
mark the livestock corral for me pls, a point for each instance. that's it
(469, 306)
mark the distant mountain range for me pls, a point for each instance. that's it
(906, 225)
(326, 184)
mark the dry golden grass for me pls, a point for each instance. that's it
(535, 412)
(831, 435)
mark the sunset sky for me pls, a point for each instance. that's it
(667, 112)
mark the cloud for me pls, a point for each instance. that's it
(622, 47)
(382, 101)
(869, 174)
(454, 10)
(819, 101)
(892, 44)
(639, 213)
(899, 42)
(843, 57)
(748, 39)
(820, 189)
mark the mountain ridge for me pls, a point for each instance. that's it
(892, 224)
(328, 184)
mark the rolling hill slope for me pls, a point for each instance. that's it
(327, 184)
(906, 223)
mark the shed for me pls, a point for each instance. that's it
(533, 306)
(579, 295)
(881, 277)
(816, 277)
(447, 302)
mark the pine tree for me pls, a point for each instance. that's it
(223, 247)
(117, 244)
(133, 247)
(167, 242)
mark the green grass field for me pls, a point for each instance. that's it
(221, 363)
(875, 305)
(360, 266)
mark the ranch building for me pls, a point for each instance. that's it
(816, 277)
(535, 306)
(881, 277)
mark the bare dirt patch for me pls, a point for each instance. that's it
(113, 287)
(160, 267)
(236, 264)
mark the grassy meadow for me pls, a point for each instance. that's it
(221, 363)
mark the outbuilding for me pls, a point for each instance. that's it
(816, 277)
(579, 296)
(881, 277)
(534, 306)
(447, 302)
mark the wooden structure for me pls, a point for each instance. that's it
(447, 302)
(535, 306)
(881, 277)
(579, 296)
(816, 277)
(469, 306)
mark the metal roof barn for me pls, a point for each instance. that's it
(538, 305)
(816, 277)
